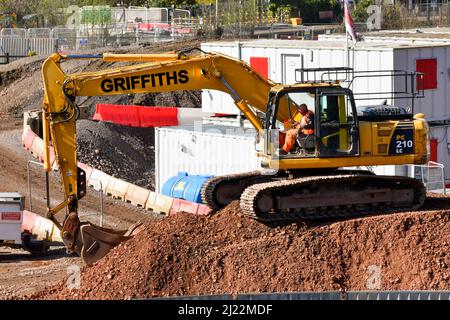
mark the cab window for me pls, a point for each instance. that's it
(337, 123)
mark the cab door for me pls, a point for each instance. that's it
(271, 131)
(336, 123)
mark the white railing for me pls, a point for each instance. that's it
(17, 32)
(432, 176)
(39, 33)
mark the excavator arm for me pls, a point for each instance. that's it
(156, 73)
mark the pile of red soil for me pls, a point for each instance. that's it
(230, 253)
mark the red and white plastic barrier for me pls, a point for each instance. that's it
(42, 228)
(114, 187)
(146, 117)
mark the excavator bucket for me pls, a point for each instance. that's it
(94, 242)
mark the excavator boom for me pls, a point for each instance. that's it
(157, 73)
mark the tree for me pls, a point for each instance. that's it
(359, 12)
(46, 10)
(308, 10)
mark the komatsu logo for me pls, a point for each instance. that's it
(145, 81)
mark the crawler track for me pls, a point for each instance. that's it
(220, 191)
(331, 197)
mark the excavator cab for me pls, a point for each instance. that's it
(335, 132)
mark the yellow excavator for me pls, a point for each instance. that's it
(306, 183)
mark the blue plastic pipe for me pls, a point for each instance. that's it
(84, 56)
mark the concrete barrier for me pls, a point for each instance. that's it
(203, 209)
(35, 145)
(180, 205)
(28, 138)
(87, 169)
(37, 149)
(42, 228)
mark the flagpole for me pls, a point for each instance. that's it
(353, 54)
(347, 53)
(349, 31)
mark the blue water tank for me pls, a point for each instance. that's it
(184, 186)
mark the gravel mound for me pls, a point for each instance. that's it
(125, 153)
(229, 253)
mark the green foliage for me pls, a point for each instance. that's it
(359, 12)
(96, 15)
(308, 10)
(82, 3)
(392, 17)
(206, 2)
(18, 6)
(46, 11)
(241, 10)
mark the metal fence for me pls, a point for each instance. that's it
(327, 295)
(13, 48)
(425, 13)
(431, 12)
(92, 27)
(134, 34)
(19, 43)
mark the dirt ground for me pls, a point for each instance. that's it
(126, 153)
(20, 273)
(229, 253)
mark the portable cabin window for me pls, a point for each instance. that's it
(429, 68)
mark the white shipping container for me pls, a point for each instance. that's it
(284, 56)
(399, 38)
(203, 149)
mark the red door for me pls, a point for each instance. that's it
(433, 150)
